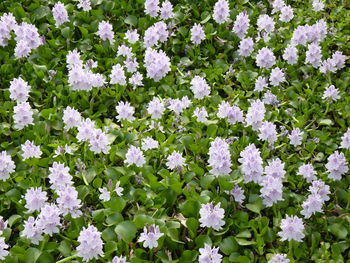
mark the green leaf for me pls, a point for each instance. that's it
(126, 231)
(338, 230)
(32, 255)
(131, 20)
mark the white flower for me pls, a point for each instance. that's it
(105, 194)
(135, 156)
(30, 150)
(91, 244)
(118, 189)
(212, 216)
(175, 160)
(148, 143)
(150, 236)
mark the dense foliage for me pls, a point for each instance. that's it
(212, 133)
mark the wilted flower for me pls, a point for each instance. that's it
(219, 157)
(308, 172)
(91, 243)
(150, 236)
(134, 156)
(212, 216)
(221, 11)
(197, 34)
(175, 160)
(35, 199)
(209, 255)
(60, 14)
(292, 229)
(336, 166)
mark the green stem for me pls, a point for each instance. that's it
(290, 252)
(67, 259)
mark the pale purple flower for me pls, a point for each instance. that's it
(175, 160)
(71, 118)
(238, 194)
(260, 84)
(7, 24)
(99, 142)
(313, 55)
(131, 65)
(209, 255)
(32, 231)
(23, 115)
(246, 47)
(219, 157)
(117, 259)
(85, 5)
(241, 24)
(290, 55)
(68, 202)
(105, 194)
(338, 59)
(124, 51)
(265, 58)
(286, 14)
(277, 76)
(73, 59)
(277, 6)
(233, 113)
(221, 11)
(27, 38)
(251, 164)
(118, 189)
(200, 87)
(132, 36)
(60, 14)
(59, 176)
(166, 11)
(336, 166)
(49, 219)
(3, 247)
(331, 93)
(85, 130)
(19, 90)
(30, 150)
(270, 98)
(212, 216)
(345, 140)
(152, 7)
(318, 187)
(148, 144)
(117, 75)
(267, 132)
(7, 166)
(179, 105)
(125, 111)
(317, 5)
(35, 199)
(91, 244)
(157, 64)
(197, 34)
(150, 236)
(155, 108)
(295, 137)
(312, 205)
(255, 114)
(136, 79)
(271, 190)
(275, 169)
(134, 156)
(151, 37)
(308, 172)
(279, 258)
(328, 65)
(266, 23)
(201, 114)
(292, 229)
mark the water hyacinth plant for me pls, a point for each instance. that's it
(174, 131)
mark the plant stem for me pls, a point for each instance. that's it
(67, 259)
